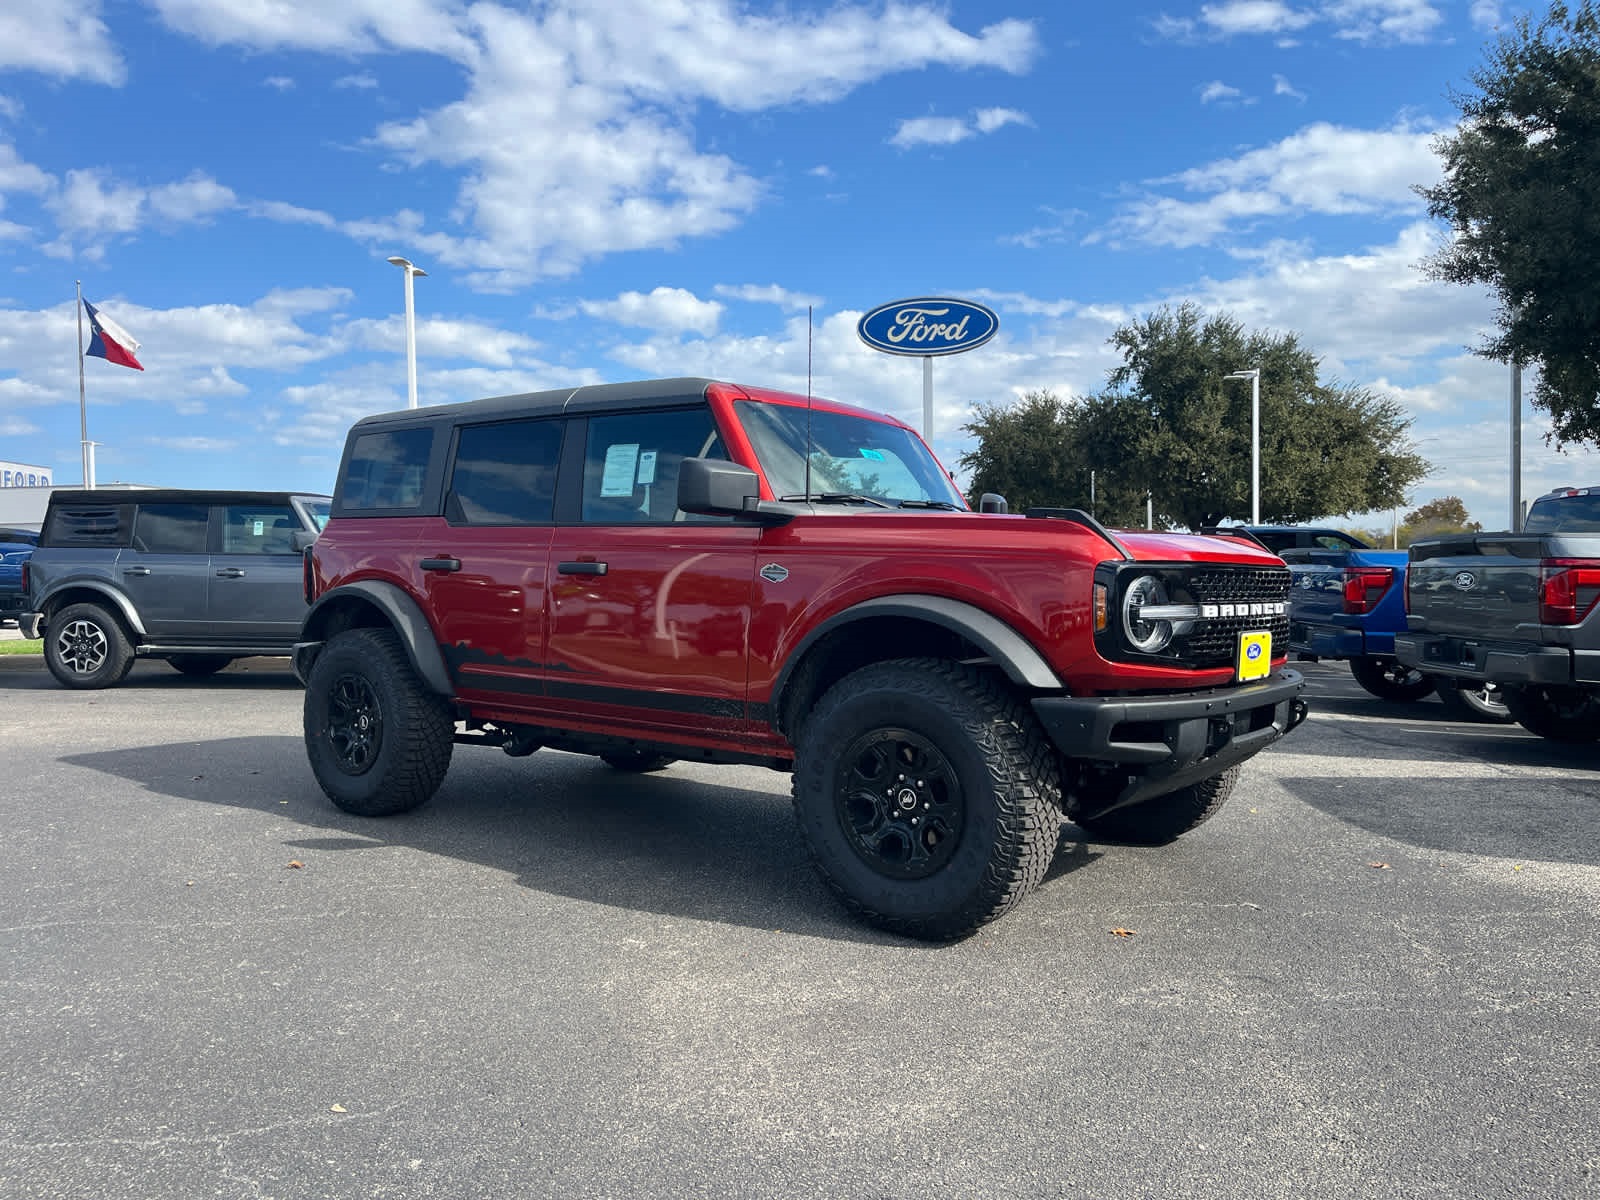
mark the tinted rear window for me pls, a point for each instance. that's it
(505, 473)
(1578, 513)
(387, 470)
(89, 525)
(171, 528)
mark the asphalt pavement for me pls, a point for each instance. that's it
(1372, 975)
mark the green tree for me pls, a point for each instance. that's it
(1521, 192)
(1447, 514)
(1032, 452)
(1169, 423)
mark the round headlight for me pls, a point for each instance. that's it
(1148, 637)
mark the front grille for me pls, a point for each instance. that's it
(1211, 641)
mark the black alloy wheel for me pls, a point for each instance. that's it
(900, 803)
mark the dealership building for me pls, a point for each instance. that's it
(24, 492)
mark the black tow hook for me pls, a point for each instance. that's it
(1299, 710)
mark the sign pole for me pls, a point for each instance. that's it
(927, 398)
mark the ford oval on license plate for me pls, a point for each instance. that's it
(1255, 654)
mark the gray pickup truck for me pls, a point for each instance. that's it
(1517, 608)
(198, 578)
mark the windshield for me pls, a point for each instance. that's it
(1578, 512)
(317, 510)
(850, 455)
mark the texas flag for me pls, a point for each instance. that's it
(111, 341)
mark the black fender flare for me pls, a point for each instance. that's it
(115, 600)
(402, 614)
(1012, 652)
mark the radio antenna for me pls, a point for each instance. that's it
(808, 404)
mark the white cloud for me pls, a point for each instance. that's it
(667, 310)
(1368, 21)
(770, 293)
(278, 83)
(1486, 14)
(1217, 90)
(988, 120)
(947, 131)
(93, 207)
(63, 38)
(573, 138)
(1322, 168)
(931, 131)
(364, 81)
(1282, 87)
(1237, 17)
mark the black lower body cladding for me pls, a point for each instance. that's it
(1167, 742)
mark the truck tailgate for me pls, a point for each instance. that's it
(1476, 584)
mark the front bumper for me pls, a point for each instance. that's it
(1502, 662)
(1168, 742)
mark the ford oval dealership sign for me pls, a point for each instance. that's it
(927, 326)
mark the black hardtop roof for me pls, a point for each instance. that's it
(113, 495)
(646, 393)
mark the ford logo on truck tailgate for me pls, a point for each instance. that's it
(1465, 581)
(930, 325)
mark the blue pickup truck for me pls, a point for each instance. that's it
(1347, 602)
(13, 597)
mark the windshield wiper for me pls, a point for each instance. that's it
(945, 504)
(838, 498)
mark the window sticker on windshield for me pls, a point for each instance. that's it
(621, 462)
(874, 455)
(647, 467)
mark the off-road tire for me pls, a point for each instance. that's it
(1389, 680)
(1473, 700)
(198, 666)
(959, 835)
(1560, 712)
(1163, 819)
(86, 647)
(636, 762)
(379, 740)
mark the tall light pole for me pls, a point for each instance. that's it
(406, 265)
(1254, 376)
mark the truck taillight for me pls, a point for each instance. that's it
(25, 577)
(1365, 586)
(1568, 589)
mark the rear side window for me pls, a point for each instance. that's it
(171, 528)
(258, 529)
(505, 473)
(89, 525)
(387, 470)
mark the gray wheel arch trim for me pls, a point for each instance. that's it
(403, 614)
(52, 600)
(1010, 650)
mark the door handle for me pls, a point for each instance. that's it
(440, 564)
(230, 573)
(136, 570)
(581, 568)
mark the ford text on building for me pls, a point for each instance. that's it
(22, 475)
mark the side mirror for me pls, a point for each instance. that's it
(992, 502)
(713, 487)
(300, 539)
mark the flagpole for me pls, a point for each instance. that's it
(83, 401)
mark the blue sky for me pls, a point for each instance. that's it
(603, 190)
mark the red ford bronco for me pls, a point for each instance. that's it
(686, 569)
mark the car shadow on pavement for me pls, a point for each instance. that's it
(1544, 818)
(561, 824)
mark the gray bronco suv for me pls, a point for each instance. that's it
(198, 578)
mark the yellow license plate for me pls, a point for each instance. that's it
(1255, 654)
